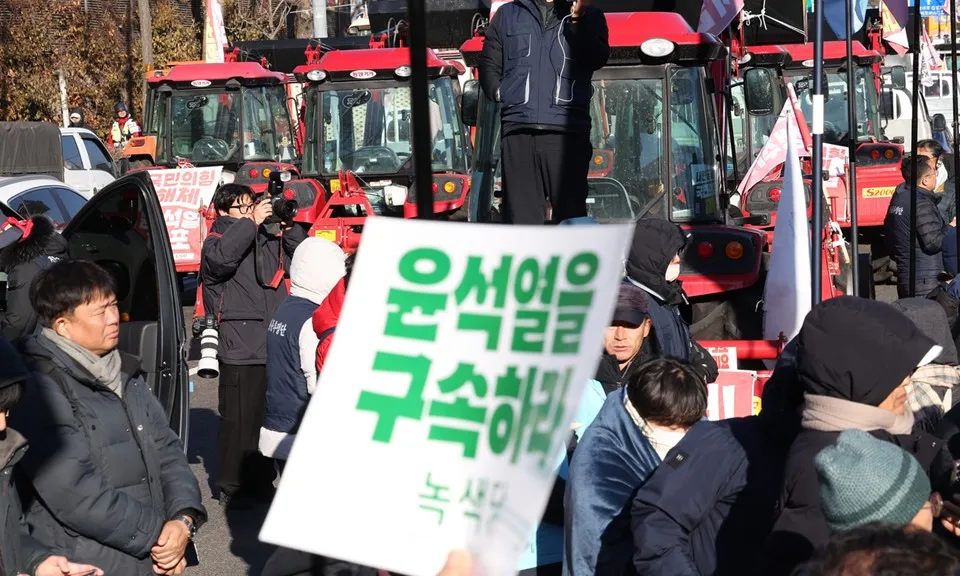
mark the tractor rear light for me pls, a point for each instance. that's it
(254, 172)
(734, 250)
(774, 195)
(435, 187)
(598, 160)
(889, 154)
(875, 154)
(449, 187)
(704, 250)
(266, 172)
(289, 195)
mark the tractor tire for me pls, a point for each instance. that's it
(884, 270)
(141, 163)
(714, 321)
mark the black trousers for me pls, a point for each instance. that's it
(539, 165)
(242, 403)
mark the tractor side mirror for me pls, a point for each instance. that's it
(886, 103)
(759, 91)
(898, 77)
(470, 102)
(939, 123)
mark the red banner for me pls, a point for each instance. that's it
(732, 395)
(183, 194)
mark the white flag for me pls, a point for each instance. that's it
(788, 291)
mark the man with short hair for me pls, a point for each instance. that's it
(243, 265)
(624, 340)
(109, 481)
(634, 430)
(931, 229)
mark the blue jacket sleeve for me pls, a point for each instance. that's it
(666, 511)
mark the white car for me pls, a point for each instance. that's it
(87, 164)
(34, 195)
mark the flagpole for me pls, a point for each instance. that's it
(852, 141)
(419, 99)
(912, 185)
(956, 112)
(817, 220)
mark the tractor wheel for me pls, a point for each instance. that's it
(884, 270)
(714, 321)
(141, 163)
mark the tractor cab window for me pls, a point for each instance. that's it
(204, 126)
(658, 148)
(835, 116)
(368, 130)
(266, 125)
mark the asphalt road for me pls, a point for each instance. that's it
(227, 544)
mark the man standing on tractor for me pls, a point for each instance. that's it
(124, 128)
(538, 61)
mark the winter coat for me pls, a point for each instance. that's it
(950, 251)
(292, 343)
(655, 243)
(83, 119)
(860, 351)
(612, 460)
(325, 319)
(22, 261)
(234, 292)
(612, 377)
(20, 553)
(103, 473)
(539, 65)
(931, 228)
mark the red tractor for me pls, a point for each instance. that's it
(358, 119)
(655, 156)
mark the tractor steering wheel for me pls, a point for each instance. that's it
(208, 148)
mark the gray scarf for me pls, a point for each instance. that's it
(828, 414)
(106, 369)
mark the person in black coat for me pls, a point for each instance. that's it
(106, 480)
(78, 119)
(854, 360)
(626, 345)
(20, 553)
(241, 276)
(654, 266)
(931, 229)
(39, 246)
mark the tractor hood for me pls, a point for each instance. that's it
(30, 148)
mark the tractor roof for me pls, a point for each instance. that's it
(344, 65)
(218, 73)
(834, 50)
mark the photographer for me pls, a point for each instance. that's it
(242, 271)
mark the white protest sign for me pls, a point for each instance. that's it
(182, 193)
(457, 365)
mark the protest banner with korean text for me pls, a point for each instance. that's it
(460, 357)
(183, 193)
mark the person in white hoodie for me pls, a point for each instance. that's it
(318, 265)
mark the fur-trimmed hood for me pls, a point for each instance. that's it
(43, 240)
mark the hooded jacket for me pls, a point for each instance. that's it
(856, 350)
(22, 261)
(318, 265)
(104, 472)
(613, 458)
(235, 292)
(20, 553)
(325, 319)
(83, 119)
(655, 243)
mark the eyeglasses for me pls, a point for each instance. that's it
(936, 504)
(243, 208)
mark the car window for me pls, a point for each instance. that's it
(98, 155)
(72, 202)
(36, 202)
(71, 153)
(115, 234)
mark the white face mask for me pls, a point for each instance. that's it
(673, 272)
(941, 175)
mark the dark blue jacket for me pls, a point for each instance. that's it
(542, 64)
(931, 228)
(287, 393)
(611, 461)
(950, 251)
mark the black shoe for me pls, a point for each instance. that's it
(233, 502)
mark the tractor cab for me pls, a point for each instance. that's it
(358, 119)
(233, 114)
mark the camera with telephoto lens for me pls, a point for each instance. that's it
(283, 202)
(208, 366)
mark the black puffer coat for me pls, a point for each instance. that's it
(931, 228)
(857, 350)
(104, 473)
(655, 243)
(22, 261)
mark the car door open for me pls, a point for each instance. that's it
(122, 229)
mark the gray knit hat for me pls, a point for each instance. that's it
(865, 479)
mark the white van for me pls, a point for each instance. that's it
(87, 164)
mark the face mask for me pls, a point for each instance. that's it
(673, 272)
(941, 175)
